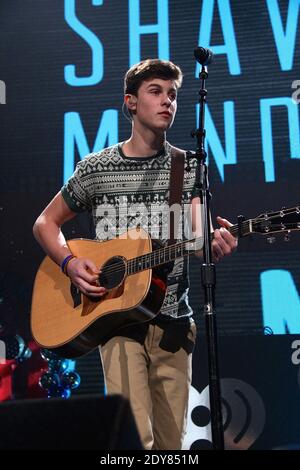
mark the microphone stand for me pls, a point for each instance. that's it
(208, 274)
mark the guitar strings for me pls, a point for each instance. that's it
(139, 261)
(159, 253)
(172, 249)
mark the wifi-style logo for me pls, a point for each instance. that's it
(243, 412)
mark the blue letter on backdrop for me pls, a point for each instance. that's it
(74, 133)
(161, 28)
(266, 131)
(280, 301)
(94, 43)
(230, 47)
(213, 141)
(285, 40)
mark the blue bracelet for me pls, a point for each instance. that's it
(63, 264)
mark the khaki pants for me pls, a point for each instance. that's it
(155, 377)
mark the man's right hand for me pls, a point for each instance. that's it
(85, 276)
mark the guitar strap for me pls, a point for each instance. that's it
(175, 191)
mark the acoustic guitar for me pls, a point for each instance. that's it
(134, 270)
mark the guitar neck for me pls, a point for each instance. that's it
(170, 253)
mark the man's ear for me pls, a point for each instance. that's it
(130, 101)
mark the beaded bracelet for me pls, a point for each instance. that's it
(65, 262)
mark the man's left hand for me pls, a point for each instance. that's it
(223, 243)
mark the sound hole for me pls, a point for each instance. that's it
(113, 272)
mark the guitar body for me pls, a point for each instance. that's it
(135, 275)
(74, 324)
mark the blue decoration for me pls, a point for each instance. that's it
(60, 378)
(59, 392)
(49, 380)
(71, 380)
(58, 365)
(47, 354)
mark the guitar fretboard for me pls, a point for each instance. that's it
(282, 221)
(161, 256)
(170, 253)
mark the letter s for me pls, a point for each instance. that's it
(95, 44)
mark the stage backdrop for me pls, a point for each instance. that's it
(61, 69)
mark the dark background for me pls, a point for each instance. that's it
(36, 44)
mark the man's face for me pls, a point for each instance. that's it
(156, 104)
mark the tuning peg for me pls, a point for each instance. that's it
(271, 240)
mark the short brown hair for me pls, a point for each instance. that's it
(151, 68)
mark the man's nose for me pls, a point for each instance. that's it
(167, 100)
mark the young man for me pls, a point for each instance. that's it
(150, 363)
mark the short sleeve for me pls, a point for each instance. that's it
(76, 191)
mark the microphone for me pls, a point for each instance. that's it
(203, 55)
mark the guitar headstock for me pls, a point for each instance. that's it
(283, 221)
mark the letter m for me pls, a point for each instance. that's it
(280, 301)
